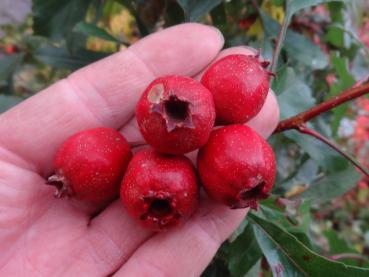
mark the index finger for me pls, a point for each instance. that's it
(104, 93)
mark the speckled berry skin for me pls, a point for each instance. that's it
(237, 166)
(90, 165)
(239, 85)
(160, 191)
(175, 114)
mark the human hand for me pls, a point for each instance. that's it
(43, 236)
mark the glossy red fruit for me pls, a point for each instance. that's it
(90, 165)
(239, 85)
(175, 114)
(237, 166)
(159, 190)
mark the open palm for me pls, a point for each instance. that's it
(43, 236)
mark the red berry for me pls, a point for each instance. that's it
(175, 114)
(11, 49)
(160, 190)
(90, 165)
(239, 85)
(237, 166)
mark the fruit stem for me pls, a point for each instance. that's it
(305, 130)
(297, 120)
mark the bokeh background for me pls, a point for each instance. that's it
(318, 216)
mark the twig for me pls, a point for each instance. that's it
(278, 47)
(280, 39)
(297, 120)
(305, 130)
(352, 256)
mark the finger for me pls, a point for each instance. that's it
(132, 132)
(105, 92)
(264, 122)
(267, 119)
(187, 250)
(243, 50)
(111, 238)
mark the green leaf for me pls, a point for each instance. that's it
(55, 18)
(243, 253)
(6, 102)
(287, 256)
(295, 5)
(344, 81)
(294, 96)
(322, 154)
(360, 65)
(335, 36)
(60, 57)
(140, 24)
(293, 215)
(344, 77)
(89, 29)
(219, 16)
(337, 244)
(8, 64)
(215, 269)
(255, 271)
(303, 50)
(307, 172)
(297, 46)
(332, 185)
(194, 9)
(173, 14)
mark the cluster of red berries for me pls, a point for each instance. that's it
(159, 186)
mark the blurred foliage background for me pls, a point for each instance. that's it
(317, 221)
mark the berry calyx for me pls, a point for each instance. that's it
(237, 166)
(160, 191)
(90, 165)
(175, 111)
(239, 84)
(175, 114)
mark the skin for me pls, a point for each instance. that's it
(43, 236)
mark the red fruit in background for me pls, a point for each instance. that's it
(239, 85)
(90, 165)
(159, 190)
(237, 166)
(246, 23)
(175, 114)
(11, 49)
